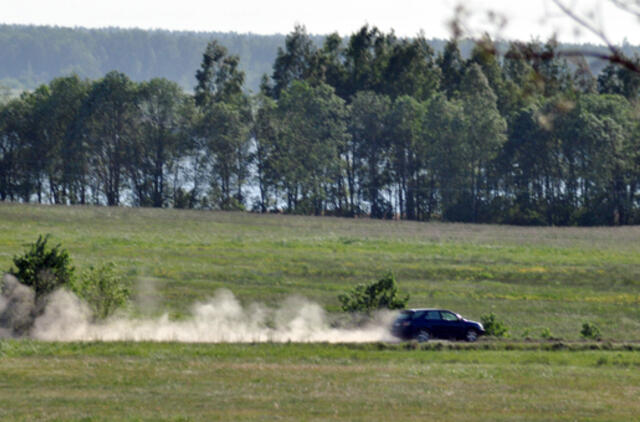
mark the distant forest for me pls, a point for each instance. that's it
(369, 125)
(33, 55)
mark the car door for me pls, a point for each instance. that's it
(450, 325)
(432, 322)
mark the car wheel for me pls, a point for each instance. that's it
(472, 335)
(423, 335)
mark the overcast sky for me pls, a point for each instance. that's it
(526, 19)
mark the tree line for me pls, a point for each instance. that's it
(371, 125)
(33, 55)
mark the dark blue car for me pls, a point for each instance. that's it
(427, 324)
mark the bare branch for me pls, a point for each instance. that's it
(611, 58)
(616, 56)
(630, 6)
(599, 32)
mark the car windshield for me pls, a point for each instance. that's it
(449, 316)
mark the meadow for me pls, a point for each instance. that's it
(533, 279)
(158, 381)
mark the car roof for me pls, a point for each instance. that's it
(426, 309)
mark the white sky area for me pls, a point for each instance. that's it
(526, 19)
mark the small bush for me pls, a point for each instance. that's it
(366, 298)
(43, 268)
(493, 326)
(103, 289)
(590, 331)
(546, 334)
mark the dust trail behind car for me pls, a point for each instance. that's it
(221, 319)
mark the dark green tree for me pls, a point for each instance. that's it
(520, 87)
(614, 79)
(223, 125)
(451, 68)
(367, 298)
(408, 155)
(551, 69)
(15, 179)
(411, 69)
(609, 81)
(110, 128)
(57, 114)
(40, 148)
(42, 267)
(596, 141)
(219, 78)
(314, 134)
(443, 138)
(328, 65)
(525, 162)
(295, 62)
(485, 133)
(370, 146)
(161, 142)
(226, 128)
(266, 133)
(365, 59)
(484, 55)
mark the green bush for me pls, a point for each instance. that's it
(366, 298)
(493, 326)
(104, 290)
(590, 331)
(43, 268)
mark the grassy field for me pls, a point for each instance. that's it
(156, 381)
(533, 279)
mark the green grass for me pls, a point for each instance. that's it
(531, 278)
(155, 381)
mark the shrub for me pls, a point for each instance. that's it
(493, 326)
(590, 331)
(546, 334)
(381, 294)
(43, 268)
(103, 289)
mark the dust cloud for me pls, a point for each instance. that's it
(17, 307)
(221, 319)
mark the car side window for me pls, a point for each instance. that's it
(432, 315)
(418, 314)
(449, 316)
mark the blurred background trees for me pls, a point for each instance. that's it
(372, 124)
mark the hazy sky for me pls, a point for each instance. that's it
(526, 19)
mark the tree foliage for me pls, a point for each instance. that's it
(103, 289)
(367, 298)
(371, 124)
(43, 268)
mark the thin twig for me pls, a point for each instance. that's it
(616, 56)
(629, 7)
